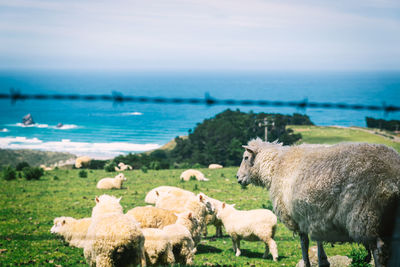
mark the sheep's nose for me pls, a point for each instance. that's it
(239, 181)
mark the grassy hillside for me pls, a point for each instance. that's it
(33, 157)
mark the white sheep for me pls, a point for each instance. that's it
(82, 162)
(341, 193)
(113, 238)
(122, 167)
(152, 217)
(112, 183)
(198, 175)
(158, 247)
(249, 225)
(179, 234)
(155, 193)
(215, 166)
(73, 230)
(211, 219)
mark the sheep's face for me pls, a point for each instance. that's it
(121, 177)
(223, 207)
(244, 173)
(59, 224)
(209, 206)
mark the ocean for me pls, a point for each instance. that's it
(106, 129)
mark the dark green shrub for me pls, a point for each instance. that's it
(144, 169)
(357, 256)
(192, 178)
(95, 164)
(55, 178)
(197, 166)
(32, 173)
(83, 174)
(22, 165)
(110, 166)
(155, 165)
(9, 173)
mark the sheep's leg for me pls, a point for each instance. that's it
(271, 246)
(322, 258)
(234, 245)
(305, 242)
(238, 252)
(380, 253)
(219, 231)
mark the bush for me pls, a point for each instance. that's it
(95, 164)
(22, 165)
(83, 174)
(144, 169)
(357, 256)
(197, 166)
(32, 173)
(155, 165)
(110, 166)
(9, 173)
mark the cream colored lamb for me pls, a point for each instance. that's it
(249, 225)
(154, 194)
(73, 230)
(122, 167)
(215, 166)
(113, 238)
(158, 247)
(179, 234)
(341, 193)
(152, 217)
(112, 183)
(82, 162)
(198, 175)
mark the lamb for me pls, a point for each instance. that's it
(157, 246)
(186, 175)
(154, 194)
(113, 238)
(82, 162)
(73, 230)
(212, 218)
(152, 217)
(112, 183)
(341, 193)
(122, 167)
(180, 237)
(215, 166)
(250, 225)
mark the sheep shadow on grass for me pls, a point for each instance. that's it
(203, 249)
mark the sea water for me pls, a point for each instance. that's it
(105, 129)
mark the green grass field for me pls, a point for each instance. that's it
(27, 209)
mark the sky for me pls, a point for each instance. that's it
(200, 34)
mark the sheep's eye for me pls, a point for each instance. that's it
(246, 158)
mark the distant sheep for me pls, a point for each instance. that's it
(215, 166)
(250, 225)
(180, 236)
(152, 217)
(341, 193)
(154, 194)
(198, 175)
(82, 162)
(112, 183)
(45, 168)
(73, 230)
(158, 247)
(122, 167)
(113, 238)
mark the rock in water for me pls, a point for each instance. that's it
(28, 120)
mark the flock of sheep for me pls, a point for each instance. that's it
(340, 193)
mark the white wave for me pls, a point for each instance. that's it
(136, 113)
(4, 130)
(65, 127)
(94, 150)
(37, 125)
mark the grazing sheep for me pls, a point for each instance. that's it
(154, 194)
(212, 218)
(193, 173)
(152, 217)
(112, 183)
(250, 225)
(198, 205)
(113, 238)
(122, 167)
(73, 230)
(179, 234)
(215, 166)
(157, 246)
(341, 193)
(82, 162)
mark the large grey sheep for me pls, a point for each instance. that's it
(342, 193)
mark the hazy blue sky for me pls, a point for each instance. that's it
(207, 35)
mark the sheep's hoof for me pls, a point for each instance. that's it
(238, 253)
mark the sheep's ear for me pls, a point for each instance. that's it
(190, 215)
(97, 200)
(249, 149)
(201, 198)
(158, 194)
(63, 222)
(119, 199)
(223, 205)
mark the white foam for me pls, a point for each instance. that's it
(94, 150)
(66, 127)
(136, 113)
(38, 125)
(4, 130)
